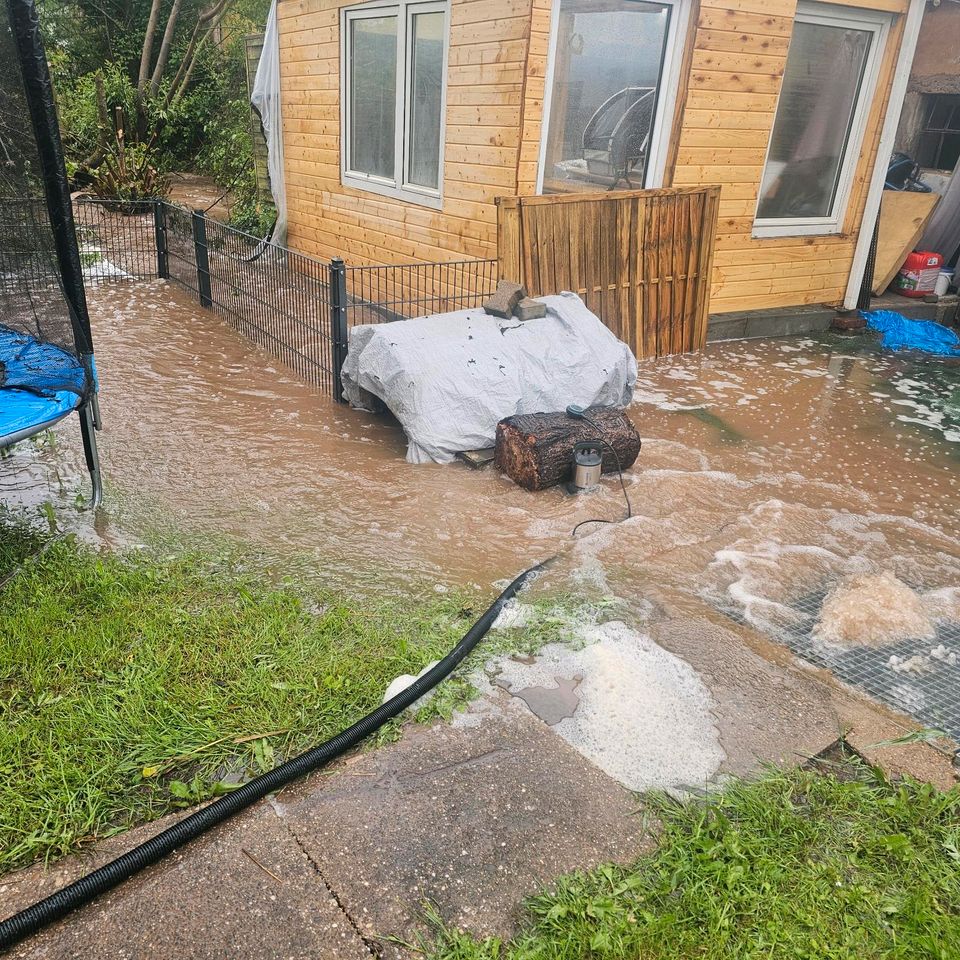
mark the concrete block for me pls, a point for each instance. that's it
(505, 299)
(530, 309)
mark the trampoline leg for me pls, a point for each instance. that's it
(88, 430)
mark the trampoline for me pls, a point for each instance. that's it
(47, 368)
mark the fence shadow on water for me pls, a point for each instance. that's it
(297, 308)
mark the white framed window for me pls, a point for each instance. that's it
(613, 71)
(825, 98)
(393, 82)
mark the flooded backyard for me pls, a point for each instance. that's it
(784, 488)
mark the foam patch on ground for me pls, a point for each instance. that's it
(644, 715)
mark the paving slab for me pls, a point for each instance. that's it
(247, 889)
(472, 820)
(773, 707)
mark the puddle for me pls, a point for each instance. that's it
(550, 704)
(771, 472)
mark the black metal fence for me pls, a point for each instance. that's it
(297, 308)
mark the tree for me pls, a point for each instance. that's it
(205, 21)
(140, 84)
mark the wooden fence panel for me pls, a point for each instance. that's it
(640, 259)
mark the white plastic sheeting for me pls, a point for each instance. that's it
(265, 97)
(450, 378)
(943, 232)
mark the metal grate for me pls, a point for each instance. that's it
(927, 690)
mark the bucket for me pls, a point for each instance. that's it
(944, 279)
(918, 275)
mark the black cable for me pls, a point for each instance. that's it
(623, 485)
(105, 878)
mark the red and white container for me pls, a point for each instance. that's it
(918, 275)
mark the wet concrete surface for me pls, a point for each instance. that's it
(471, 821)
(244, 890)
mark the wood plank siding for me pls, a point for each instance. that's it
(485, 84)
(734, 62)
(740, 50)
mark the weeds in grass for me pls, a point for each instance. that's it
(796, 865)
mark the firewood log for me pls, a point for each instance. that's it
(536, 449)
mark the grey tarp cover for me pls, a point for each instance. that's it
(451, 377)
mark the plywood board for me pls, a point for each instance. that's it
(903, 218)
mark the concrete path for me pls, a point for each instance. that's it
(470, 818)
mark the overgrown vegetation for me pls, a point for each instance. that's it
(796, 865)
(150, 87)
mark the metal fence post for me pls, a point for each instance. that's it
(160, 237)
(203, 263)
(338, 322)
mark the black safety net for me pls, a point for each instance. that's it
(45, 344)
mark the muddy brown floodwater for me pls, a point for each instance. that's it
(770, 471)
(755, 450)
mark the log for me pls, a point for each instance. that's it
(536, 449)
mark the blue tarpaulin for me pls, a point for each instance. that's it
(39, 384)
(900, 333)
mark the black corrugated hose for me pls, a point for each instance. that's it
(105, 878)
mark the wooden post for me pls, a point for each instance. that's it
(708, 234)
(508, 239)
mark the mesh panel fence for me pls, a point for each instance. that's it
(295, 307)
(384, 293)
(275, 297)
(117, 239)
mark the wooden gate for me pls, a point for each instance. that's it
(640, 259)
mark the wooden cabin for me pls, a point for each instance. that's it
(405, 120)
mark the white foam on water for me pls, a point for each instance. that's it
(943, 604)
(874, 610)
(644, 715)
(512, 615)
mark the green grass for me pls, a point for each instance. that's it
(796, 865)
(131, 685)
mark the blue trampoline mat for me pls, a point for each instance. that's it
(39, 385)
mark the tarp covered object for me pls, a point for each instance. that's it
(450, 378)
(900, 333)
